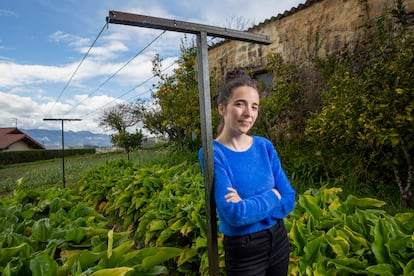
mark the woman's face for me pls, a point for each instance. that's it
(241, 111)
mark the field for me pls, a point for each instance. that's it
(48, 173)
(146, 216)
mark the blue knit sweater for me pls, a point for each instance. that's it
(253, 173)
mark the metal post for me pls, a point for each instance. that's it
(63, 157)
(201, 31)
(207, 137)
(63, 145)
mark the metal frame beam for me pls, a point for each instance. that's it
(145, 21)
(201, 31)
(63, 144)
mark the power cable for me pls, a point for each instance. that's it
(130, 90)
(77, 68)
(116, 72)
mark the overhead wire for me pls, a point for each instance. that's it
(137, 86)
(116, 72)
(77, 68)
(131, 90)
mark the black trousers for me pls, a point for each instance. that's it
(263, 253)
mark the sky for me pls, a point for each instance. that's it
(60, 60)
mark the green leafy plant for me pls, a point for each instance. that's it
(335, 237)
(162, 205)
(53, 232)
(369, 104)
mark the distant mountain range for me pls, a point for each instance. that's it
(52, 139)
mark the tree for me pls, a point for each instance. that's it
(122, 117)
(176, 97)
(370, 102)
(128, 141)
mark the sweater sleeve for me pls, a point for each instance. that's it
(282, 184)
(245, 212)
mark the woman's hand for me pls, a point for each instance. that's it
(279, 196)
(233, 196)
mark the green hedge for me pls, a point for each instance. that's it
(13, 157)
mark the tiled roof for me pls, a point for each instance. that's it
(10, 130)
(11, 135)
(308, 3)
(293, 10)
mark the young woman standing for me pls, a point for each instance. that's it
(251, 189)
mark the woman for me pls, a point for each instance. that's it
(251, 190)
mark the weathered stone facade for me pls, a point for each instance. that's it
(318, 27)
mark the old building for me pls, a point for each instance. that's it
(315, 28)
(12, 139)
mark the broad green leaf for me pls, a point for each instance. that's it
(329, 222)
(331, 194)
(364, 203)
(76, 235)
(357, 240)
(149, 237)
(312, 250)
(400, 238)
(187, 229)
(200, 242)
(155, 271)
(177, 225)
(407, 219)
(8, 253)
(319, 269)
(339, 245)
(93, 231)
(118, 271)
(7, 270)
(381, 269)
(156, 225)
(296, 235)
(161, 254)
(352, 265)
(164, 235)
(408, 269)
(41, 230)
(129, 258)
(117, 254)
(28, 213)
(81, 258)
(43, 265)
(335, 205)
(310, 204)
(110, 243)
(379, 245)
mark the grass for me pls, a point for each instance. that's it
(48, 173)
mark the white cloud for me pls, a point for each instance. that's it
(30, 114)
(29, 92)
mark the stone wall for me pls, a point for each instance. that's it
(316, 28)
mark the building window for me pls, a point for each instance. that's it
(265, 81)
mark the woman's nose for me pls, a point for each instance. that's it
(248, 111)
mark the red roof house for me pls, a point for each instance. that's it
(11, 138)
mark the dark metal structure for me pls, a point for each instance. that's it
(201, 31)
(63, 145)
